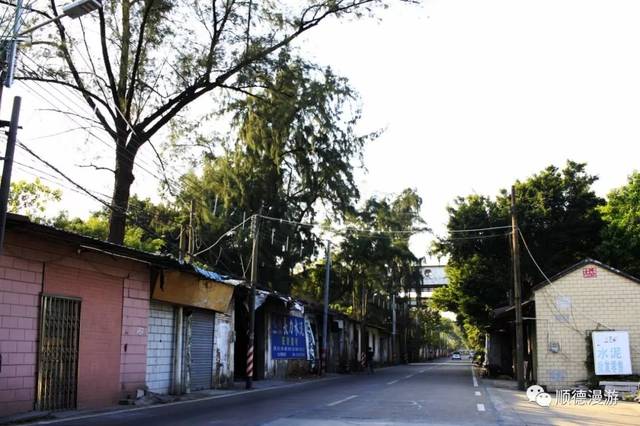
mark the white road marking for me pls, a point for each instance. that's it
(422, 371)
(392, 382)
(409, 376)
(478, 393)
(341, 401)
(480, 407)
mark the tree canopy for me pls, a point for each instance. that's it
(32, 199)
(558, 216)
(621, 233)
(150, 60)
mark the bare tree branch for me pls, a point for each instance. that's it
(93, 166)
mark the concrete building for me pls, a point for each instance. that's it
(589, 296)
(85, 323)
(558, 321)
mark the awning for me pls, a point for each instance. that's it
(191, 290)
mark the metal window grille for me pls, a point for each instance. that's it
(58, 353)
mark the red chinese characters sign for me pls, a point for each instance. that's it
(590, 272)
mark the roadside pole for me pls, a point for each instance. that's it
(325, 310)
(516, 291)
(393, 329)
(5, 184)
(252, 300)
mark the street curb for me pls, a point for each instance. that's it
(207, 398)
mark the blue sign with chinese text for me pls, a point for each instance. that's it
(288, 339)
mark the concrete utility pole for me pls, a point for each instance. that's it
(182, 245)
(252, 300)
(192, 232)
(5, 185)
(393, 329)
(325, 309)
(515, 252)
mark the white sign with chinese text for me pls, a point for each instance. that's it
(611, 352)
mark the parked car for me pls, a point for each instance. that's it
(456, 355)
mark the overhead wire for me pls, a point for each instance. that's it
(552, 289)
(479, 229)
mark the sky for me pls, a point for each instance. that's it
(472, 94)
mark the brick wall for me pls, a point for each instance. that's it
(135, 316)
(570, 307)
(160, 349)
(20, 286)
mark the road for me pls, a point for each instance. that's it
(441, 393)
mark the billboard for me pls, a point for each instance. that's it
(611, 353)
(288, 337)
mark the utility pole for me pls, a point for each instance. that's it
(5, 184)
(515, 252)
(252, 299)
(192, 232)
(325, 310)
(181, 246)
(393, 329)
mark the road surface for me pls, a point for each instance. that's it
(441, 393)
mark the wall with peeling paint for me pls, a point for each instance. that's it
(223, 345)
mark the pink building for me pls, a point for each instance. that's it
(74, 314)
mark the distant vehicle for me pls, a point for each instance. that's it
(456, 355)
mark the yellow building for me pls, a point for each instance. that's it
(589, 296)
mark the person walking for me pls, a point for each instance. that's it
(370, 360)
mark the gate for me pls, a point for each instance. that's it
(201, 365)
(58, 353)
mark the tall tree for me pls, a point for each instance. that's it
(621, 234)
(373, 258)
(292, 153)
(151, 59)
(32, 199)
(558, 216)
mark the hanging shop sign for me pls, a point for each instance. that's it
(288, 339)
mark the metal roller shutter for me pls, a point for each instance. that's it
(202, 323)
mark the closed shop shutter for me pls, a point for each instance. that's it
(202, 323)
(160, 347)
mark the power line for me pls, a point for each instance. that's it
(552, 289)
(479, 237)
(479, 229)
(77, 185)
(346, 230)
(224, 235)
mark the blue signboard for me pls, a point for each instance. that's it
(288, 339)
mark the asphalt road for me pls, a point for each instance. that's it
(441, 393)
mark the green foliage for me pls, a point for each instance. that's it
(149, 60)
(372, 261)
(621, 234)
(293, 153)
(146, 217)
(31, 199)
(558, 214)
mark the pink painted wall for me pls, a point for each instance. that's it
(20, 286)
(114, 313)
(100, 325)
(133, 348)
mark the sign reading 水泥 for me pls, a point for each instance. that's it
(288, 339)
(611, 352)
